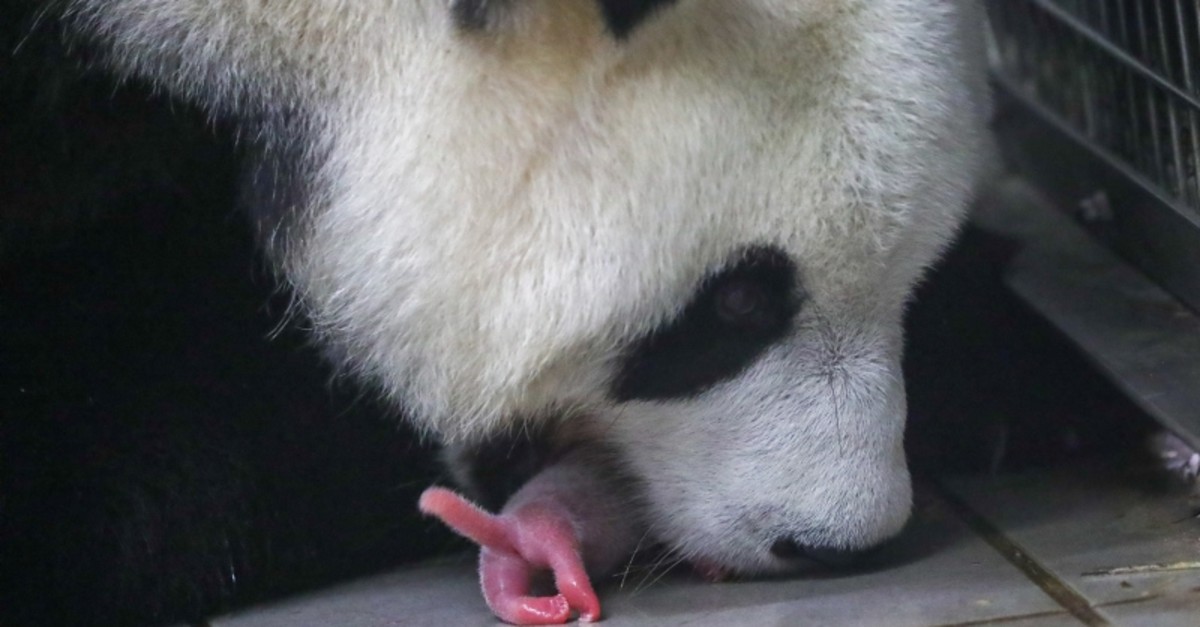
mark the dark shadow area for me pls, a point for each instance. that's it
(994, 387)
(161, 458)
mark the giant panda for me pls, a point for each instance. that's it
(653, 251)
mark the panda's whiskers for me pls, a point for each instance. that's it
(632, 557)
(665, 562)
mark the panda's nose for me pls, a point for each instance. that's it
(833, 558)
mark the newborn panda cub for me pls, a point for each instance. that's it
(567, 519)
(673, 239)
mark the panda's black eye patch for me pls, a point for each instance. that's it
(733, 317)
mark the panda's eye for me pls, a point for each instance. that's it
(740, 302)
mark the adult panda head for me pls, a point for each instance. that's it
(684, 230)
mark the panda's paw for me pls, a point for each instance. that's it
(1177, 456)
(536, 536)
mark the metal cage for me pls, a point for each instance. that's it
(1100, 106)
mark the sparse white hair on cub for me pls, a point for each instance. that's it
(490, 218)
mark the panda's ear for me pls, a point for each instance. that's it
(621, 16)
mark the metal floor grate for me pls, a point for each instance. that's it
(1125, 74)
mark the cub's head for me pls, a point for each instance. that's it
(682, 230)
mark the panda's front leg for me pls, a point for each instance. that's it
(570, 519)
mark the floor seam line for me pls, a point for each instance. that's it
(1054, 587)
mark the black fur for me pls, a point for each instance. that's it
(473, 14)
(707, 343)
(622, 16)
(499, 466)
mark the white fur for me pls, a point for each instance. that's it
(499, 214)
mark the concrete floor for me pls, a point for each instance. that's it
(1082, 545)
